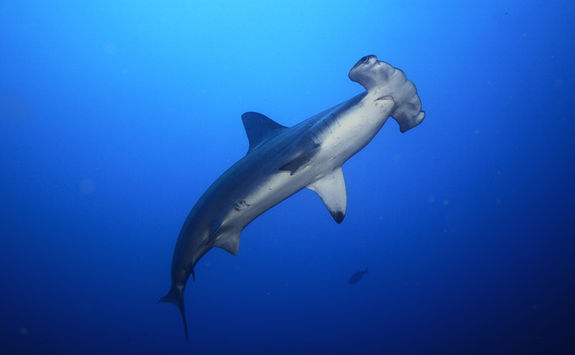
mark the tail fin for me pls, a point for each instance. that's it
(175, 297)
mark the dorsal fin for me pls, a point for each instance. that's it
(259, 128)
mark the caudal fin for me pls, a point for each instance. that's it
(175, 297)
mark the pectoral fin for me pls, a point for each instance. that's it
(331, 190)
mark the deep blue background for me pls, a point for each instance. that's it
(115, 116)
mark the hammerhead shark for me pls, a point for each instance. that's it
(283, 160)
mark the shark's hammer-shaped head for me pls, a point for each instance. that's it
(383, 80)
(370, 72)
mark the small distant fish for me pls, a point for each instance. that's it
(356, 277)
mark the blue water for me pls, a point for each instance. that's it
(115, 116)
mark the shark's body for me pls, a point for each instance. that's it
(281, 161)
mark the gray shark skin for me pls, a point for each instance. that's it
(281, 161)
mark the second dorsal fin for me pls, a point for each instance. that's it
(259, 128)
